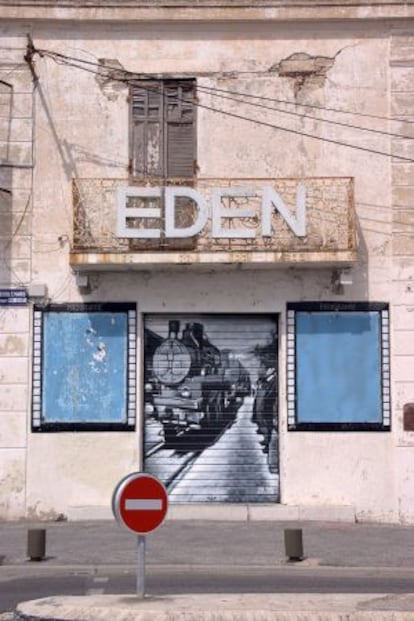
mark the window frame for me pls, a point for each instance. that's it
(384, 365)
(130, 384)
(162, 84)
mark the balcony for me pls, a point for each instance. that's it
(119, 224)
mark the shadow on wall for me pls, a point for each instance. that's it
(6, 180)
(68, 162)
(6, 184)
(362, 286)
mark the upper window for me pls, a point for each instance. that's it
(163, 129)
(84, 367)
(338, 366)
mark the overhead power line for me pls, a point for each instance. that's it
(217, 92)
(131, 78)
(289, 102)
(146, 76)
(228, 94)
(298, 132)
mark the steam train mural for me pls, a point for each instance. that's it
(209, 380)
(193, 385)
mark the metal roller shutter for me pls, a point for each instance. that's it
(211, 415)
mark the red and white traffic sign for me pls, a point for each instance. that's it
(140, 502)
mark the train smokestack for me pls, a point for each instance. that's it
(173, 328)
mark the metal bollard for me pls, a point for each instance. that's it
(294, 544)
(36, 544)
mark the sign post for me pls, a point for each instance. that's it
(141, 567)
(140, 503)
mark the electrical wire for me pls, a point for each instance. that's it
(135, 76)
(227, 94)
(216, 92)
(296, 131)
(67, 60)
(312, 106)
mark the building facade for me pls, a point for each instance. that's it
(207, 257)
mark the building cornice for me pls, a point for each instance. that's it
(205, 10)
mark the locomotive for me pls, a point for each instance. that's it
(192, 384)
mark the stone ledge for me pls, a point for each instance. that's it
(232, 512)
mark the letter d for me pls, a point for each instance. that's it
(171, 193)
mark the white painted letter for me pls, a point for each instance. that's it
(170, 195)
(124, 213)
(272, 198)
(220, 212)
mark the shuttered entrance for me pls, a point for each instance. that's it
(211, 417)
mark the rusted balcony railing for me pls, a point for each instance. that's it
(330, 221)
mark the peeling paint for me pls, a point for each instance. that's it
(307, 72)
(12, 345)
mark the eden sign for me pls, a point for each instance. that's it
(211, 208)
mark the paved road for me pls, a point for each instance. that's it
(199, 556)
(24, 585)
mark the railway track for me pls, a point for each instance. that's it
(170, 463)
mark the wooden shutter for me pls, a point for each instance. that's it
(164, 146)
(163, 131)
(147, 130)
(179, 124)
(180, 129)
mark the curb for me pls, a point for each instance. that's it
(219, 607)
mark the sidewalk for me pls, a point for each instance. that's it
(212, 543)
(247, 607)
(208, 544)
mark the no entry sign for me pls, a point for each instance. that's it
(140, 502)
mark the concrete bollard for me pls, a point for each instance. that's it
(36, 544)
(294, 544)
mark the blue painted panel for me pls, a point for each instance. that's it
(338, 367)
(84, 367)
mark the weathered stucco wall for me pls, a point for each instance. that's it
(401, 75)
(81, 130)
(16, 144)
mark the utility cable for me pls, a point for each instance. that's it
(308, 105)
(227, 94)
(146, 76)
(62, 59)
(217, 93)
(149, 77)
(294, 131)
